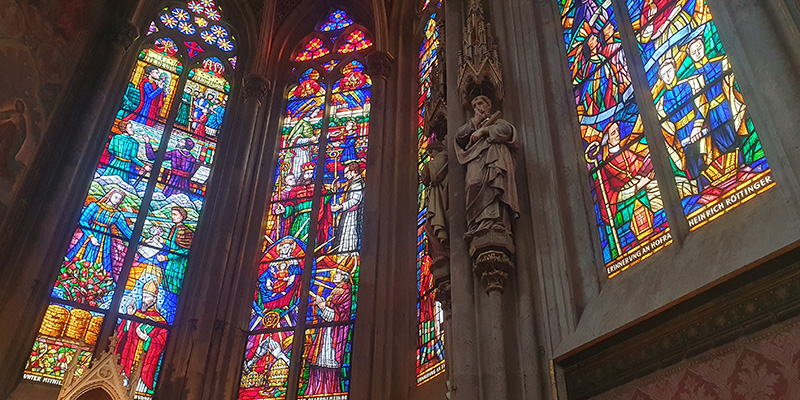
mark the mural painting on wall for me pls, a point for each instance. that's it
(40, 44)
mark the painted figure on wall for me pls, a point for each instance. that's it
(142, 343)
(486, 145)
(98, 221)
(151, 97)
(124, 151)
(13, 132)
(327, 351)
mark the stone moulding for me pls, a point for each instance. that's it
(744, 305)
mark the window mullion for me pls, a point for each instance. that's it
(298, 341)
(679, 226)
(110, 322)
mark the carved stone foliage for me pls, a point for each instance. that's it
(255, 87)
(380, 64)
(493, 267)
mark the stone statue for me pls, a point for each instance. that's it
(434, 177)
(486, 145)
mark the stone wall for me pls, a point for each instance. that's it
(762, 366)
(40, 45)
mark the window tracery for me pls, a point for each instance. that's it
(124, 267)
(304, 307)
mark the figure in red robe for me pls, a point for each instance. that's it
(327, 351)
(628, 176)
(141, 343)
(151, 98)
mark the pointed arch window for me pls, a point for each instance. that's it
(430, 319)
(123, 269)
(301, 326)
(714, 151)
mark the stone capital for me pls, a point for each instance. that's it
(380, 64)
(255, 87)
(125, 33)
(493, 267)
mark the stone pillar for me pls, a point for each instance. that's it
(374, 358)
(39, 226)
(205, 347)
(462, 364)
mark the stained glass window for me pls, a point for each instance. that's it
(629, 209)
(128, 255)
(356, 41)
(714, 149)
(430, 320)
(304, 305)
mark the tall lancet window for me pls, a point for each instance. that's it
(304, 306)
(713, 150)
(430, 319)
(123, 269)
(629, 208)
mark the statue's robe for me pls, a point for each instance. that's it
(491, 188)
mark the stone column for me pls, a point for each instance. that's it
(373, 358)
(462, 364)
(204, 355)
(40, 223)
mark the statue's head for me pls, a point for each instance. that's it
(482, 104)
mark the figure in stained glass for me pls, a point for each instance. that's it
(300, 135)
(179, 241)
(182, 118)
(139, 342)
(183, 165)
(202, 112)
(124, 150)
(349, 214)
(99, 220)
(686, 122)
(299, 210)
(279, 284)
(629, 179)
(269, 357)
(327, 350)
(151, 97)
(217, 113)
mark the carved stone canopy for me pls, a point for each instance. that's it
(103, 374)
(480, 64)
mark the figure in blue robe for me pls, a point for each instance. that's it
(98, 221)
(151, 98)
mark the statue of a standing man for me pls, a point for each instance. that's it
(486, 144)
